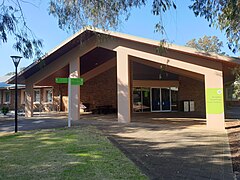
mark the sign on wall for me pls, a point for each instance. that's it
(214, 101)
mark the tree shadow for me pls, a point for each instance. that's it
(170, 152)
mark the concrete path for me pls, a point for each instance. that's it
(161, 150)
(173, 152)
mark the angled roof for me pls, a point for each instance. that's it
(3, 79)
(86, 33)
(4, 85)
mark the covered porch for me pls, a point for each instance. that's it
(128, 74)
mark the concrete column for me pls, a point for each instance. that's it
(123, 87)
(74, 91)
(29, 100)
(214, 101)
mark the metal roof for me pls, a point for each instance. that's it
(4, 85)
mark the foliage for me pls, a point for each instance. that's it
(5, 110)
(13, 73)
(10, 74)
(223, 14)
(206, 44)
(76, 153)
(105, 14)
(236, 84)
(73, 15)
(12, 22)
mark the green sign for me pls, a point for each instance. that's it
(61, 80)
(77, 81)
(74, 81)
(214, 101)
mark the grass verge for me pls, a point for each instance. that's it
(76, 153)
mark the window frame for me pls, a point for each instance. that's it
(34, 97)
(4, 97)
(46, 95)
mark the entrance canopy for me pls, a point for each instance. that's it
(90, 53)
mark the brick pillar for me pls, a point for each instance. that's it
(29, 100)
(123, 87)
(74, 91)
(214, 101)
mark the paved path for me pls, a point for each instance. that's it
(38, 122)
(161, 151)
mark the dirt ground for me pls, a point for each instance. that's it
(233, 129)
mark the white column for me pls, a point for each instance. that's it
(214, 101)
(74, 91)
(123, 87)
(29, 100)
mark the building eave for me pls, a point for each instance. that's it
(74, 40)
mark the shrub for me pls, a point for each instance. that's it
(5, 110)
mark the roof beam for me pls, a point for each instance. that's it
(100, 69)
(64, 60)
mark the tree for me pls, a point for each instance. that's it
(13, 73)
(12, 22)
(206, 44)
(73, 15)
(10, 74)
(223, 14)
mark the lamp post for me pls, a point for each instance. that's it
(16, 60)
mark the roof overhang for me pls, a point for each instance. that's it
(87, 33)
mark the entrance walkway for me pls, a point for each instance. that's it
(175, 149)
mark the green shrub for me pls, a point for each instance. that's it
(5, 110)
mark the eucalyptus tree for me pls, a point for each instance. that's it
(207, 44)
(73, 15)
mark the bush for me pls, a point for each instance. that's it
(5, 110)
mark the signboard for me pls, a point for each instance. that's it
(77, 81)
(61, 80)
(74, 81)
(214, 101)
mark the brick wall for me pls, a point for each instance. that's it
(190, 89)
(101, 90)
(12, 99)
(44, 106)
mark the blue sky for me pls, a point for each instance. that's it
(181, 26)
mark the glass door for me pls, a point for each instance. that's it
(161, 99)
(174, 98)
(156, 101)
(137, 100)
(146, 100)
(165, 99)
(141, 99)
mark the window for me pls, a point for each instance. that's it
(230, 96)
(36, 96)
(48, 95)
(6, 98)
(0, 97)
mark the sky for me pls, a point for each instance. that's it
(181, 26)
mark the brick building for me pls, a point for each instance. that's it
(42, 96)
(129, 74)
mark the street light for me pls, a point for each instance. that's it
(16, 60)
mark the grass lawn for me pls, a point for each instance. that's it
(76, 153)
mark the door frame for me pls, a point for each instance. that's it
(160, 96)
